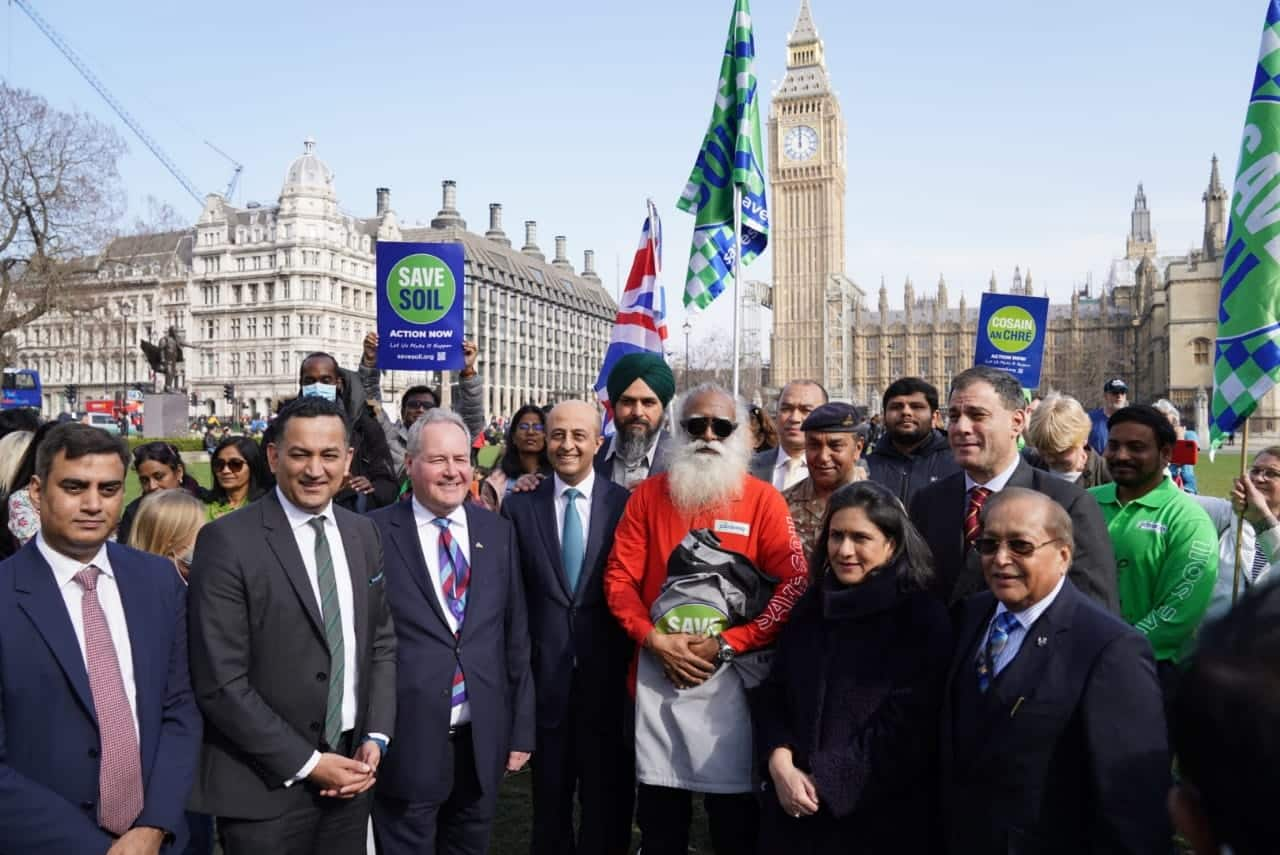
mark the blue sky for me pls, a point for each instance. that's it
(982, 135)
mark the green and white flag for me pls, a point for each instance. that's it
(1247, 353)
(731, 156)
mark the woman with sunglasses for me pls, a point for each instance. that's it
(158, 466)
(1257, 498)
(237, 478)
(845, 720)
(525, 453)
(764, 435)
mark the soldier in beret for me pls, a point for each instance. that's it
(833, 444)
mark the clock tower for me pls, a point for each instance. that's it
(807, 143)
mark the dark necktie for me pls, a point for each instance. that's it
(331, 614)
(455, 578)
(119, 764)
(973, 515)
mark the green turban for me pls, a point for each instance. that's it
(649, 367)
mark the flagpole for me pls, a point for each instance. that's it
(737, 268)
(1244, 462)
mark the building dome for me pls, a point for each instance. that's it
(308, 174)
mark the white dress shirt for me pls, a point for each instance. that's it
(1026, 619)
(429, 540)
(582, 505)
(785, 474)
(64, 571)
(997, 483)
(305, 536)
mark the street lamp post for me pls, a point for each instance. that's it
(688, 328)
(125, 311)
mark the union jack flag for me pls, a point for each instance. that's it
(641, 324)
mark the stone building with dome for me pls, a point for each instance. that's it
(254, 289)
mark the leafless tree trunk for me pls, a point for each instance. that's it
(60, 197)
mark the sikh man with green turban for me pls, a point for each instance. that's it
(640, 387)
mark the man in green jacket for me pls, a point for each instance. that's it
(1165, 545)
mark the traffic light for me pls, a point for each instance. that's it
(195, 401)
(71, 393)
(228, 391)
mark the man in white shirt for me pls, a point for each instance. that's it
(99, 733)
(785, 466)
(464, 694)
(293, 653)
(1053, 729)
(565, 531)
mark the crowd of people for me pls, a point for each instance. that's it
(990, 623)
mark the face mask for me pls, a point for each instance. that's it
(1066, 476)
(328, 391)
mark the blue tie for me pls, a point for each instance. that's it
(572, 549)
(1004, 624)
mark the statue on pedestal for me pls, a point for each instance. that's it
(166, 357)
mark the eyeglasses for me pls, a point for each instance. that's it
(1018, 546)
(1264, 474)
(536, 427)
(418, 404)
(697, 427)
(235, 464)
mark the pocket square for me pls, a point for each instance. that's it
(479, 545)
(376, 579)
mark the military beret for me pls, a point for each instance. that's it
(832, 417)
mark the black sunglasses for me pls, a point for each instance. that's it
(235, 464)
(1018, 546)
(697, 426)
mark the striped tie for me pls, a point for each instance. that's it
(973, 515)
(455, 576)
(997, 640)
(1260, 563)
(331, 614)
(119, 764)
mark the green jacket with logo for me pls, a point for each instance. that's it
(1166, 551)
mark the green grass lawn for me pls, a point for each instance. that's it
(1214, 479)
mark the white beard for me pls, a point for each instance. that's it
(699, 481)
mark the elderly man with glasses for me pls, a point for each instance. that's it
(693, 730)
(1053, 731)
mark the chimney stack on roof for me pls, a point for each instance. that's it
(562, 260)
(589, 265)
(531, 240)
(449, 218)
(495, 233)
(384, 200)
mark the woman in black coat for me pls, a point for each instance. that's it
(847, 720)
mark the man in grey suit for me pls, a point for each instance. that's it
(292, 653)
(640, 387)
(785, 465)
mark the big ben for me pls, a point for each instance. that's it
(807, 141)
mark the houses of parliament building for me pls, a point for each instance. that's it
(1152, 322)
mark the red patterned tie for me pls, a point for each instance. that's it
(973, 515)
(120, 769)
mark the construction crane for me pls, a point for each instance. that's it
(235, 176)
(61, 44)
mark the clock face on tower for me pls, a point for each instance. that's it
(800, 143)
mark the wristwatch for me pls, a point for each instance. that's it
(725, 653)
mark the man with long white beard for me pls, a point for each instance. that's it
(693, 731)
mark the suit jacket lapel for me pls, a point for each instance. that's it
(544, 505)
(482, 588)
(281, 540)
(358, 571)
(1021, 676)
(40, 599)
(139, 618)
(595, 535)
(404, 539)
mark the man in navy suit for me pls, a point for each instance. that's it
(99, 732)
(564, 531)
(465, 703)
(1053, 734)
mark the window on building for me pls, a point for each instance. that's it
(251, 327)
(267, 324)
(1200, 351)
(251, 363)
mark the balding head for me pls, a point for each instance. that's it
(573, 437)
(1025, 547)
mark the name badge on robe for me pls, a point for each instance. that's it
(731, 527)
